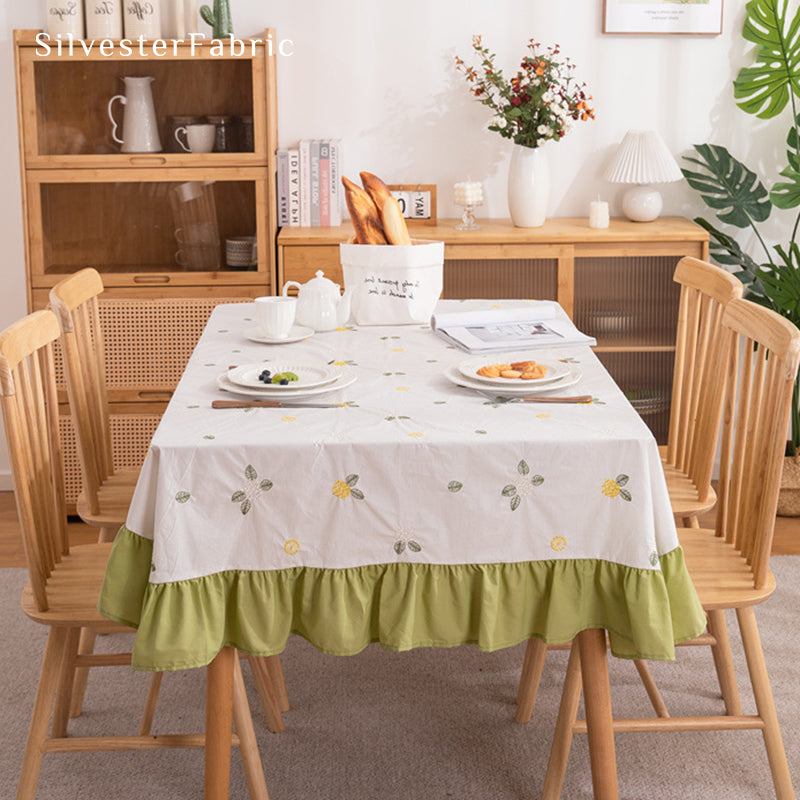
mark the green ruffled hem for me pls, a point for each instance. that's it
(400, 606)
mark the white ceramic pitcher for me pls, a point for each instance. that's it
(139, 128)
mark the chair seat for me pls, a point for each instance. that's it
(683, 494)
(73, 589)
(721, 575)
(114, 500)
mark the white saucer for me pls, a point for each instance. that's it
(296, 334)
(308, 376)
(283, 392)
(454, 376)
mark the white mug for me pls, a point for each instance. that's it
(275, 315)
(199, 138)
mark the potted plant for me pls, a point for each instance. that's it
(739, 197)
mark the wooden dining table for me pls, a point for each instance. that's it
(412, 512)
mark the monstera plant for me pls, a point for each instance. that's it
(737, 195)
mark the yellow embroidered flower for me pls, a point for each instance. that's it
(339, 363)
(610, 488)
(292, 547)
(543, 416)
(342, 329)
(288, 419)
(341, 489)
(416, 435)
(558, 543)
(398, 349)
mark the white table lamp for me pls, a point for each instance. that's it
(642, 159)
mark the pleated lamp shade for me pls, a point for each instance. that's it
(642, 158)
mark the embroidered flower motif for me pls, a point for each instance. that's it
(245, 497)
(346, 488)
(613, 488)
(292, 547)
(654, 560)
(516, 491)
(405, 541)
(416, 435)
(558, 543)
(288, 419)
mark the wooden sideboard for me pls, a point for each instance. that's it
(615, 283)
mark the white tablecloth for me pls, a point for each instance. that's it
(413, 470)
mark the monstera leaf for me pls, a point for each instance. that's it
(734, 192)
(782, 283)
(786, 194)
(726, 250)
(764, 88)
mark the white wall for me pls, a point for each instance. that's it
(381, 77)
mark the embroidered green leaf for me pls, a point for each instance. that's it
(237, 497)
(537, 480)
(515, 501)
(399, 547)
(414, 546)
(455, 486)
(480, 431)
(621, 480)
(209, 436)
(403, 417)
(625, 495)
(509, 491)
(265, 485)
(246, 506)
(250, 473)
(654, 559)
(389, 419)
(523, 468)
(183, 497)
(351, 480)
(357, 493)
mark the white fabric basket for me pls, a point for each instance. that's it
(393, 284)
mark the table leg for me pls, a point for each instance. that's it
(219, 719)
(599, 721)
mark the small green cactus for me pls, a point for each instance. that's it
(219, 19)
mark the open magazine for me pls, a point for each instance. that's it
(537, 325)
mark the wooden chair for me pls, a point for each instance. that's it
(688, 458)
(93, 361)
(64, 583)
(729, 565)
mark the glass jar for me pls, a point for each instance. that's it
(224, 141)
(247, 142)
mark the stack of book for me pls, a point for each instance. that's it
(309, 184)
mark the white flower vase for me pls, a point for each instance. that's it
(528, 186)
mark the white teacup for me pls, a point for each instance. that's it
(199, 137)
(275, 315)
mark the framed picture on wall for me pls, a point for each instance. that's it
(663, 16)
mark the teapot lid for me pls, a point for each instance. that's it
(321, 283)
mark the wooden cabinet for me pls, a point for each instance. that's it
(154, 224)
(86, 203)
(615, 283)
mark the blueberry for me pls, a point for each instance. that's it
(284, 382)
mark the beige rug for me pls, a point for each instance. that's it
(422, 725)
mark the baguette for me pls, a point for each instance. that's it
(393, 223)
(363, 213)
(376, 188)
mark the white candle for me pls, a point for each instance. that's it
(468, 193)
(598, 214)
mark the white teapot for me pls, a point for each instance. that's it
(320, 303)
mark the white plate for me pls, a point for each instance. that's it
(555, 370)
(515, 390)
(283, 392)
(296, 334)
(308, 376)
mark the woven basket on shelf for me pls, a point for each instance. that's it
(789, 496)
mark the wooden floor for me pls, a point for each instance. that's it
(786, 542)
